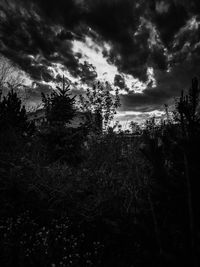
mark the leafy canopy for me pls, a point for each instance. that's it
(102, 101)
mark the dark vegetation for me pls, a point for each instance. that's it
(86, 197)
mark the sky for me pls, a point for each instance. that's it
(148, 49)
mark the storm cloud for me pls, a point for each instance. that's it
(159, 34)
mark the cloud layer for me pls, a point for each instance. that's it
(134, 36)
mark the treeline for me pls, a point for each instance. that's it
(91, 197)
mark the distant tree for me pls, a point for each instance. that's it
(102, 101)
(59, 106)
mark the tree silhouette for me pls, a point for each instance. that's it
(59, 106)
(63, 143)
(13, 113)
(187, 110)
(188, 117)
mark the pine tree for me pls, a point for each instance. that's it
(63, 144)
(59, 106)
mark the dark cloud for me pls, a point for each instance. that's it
(158, 59)
(141, 102)
(65, 35)
(169, 86)
(29, 28)
(170, 20)
(66, 13)
(116, 22)
(33, 43)
(163, 34)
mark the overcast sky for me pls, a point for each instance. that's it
(150, 49)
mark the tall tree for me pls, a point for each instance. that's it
(63, 144)
(188, 117)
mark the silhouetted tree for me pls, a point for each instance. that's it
(15, 129)
(63, 142)
(59, 106)
(188, 117)
(13, 113)
(187, 110)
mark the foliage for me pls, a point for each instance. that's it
(187, 110)
(15, 129)
(12, 113)
(100, 101)
(59, 106)
(25, 241)
(116, 200)
(135, 127)
(63, 143)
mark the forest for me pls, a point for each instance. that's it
(97, 195)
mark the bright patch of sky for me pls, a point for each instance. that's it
(126, 117)
(93, 53)
(58, 68)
